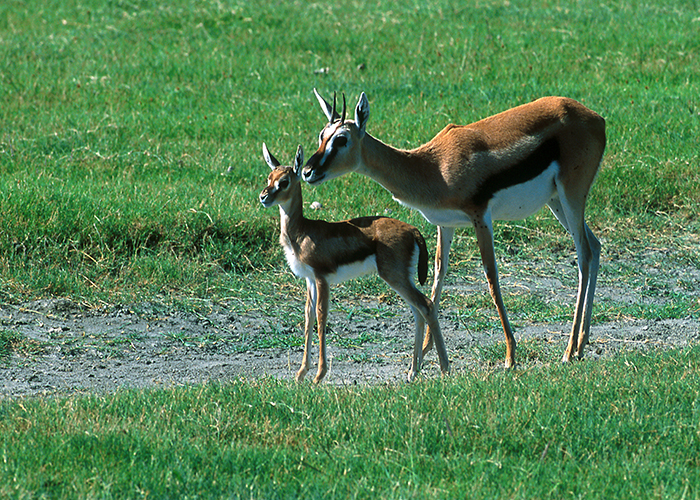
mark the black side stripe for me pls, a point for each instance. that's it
(519, 173)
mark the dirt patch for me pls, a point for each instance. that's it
(66, 348)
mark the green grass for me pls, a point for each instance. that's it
(617, 428)
(118, 119)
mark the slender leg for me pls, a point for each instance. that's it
(434, 326)
(310, 319)
(442, 256)
(594, 246)
(588, 256)
(425, 312)
(321, 317)
(484, 237)
(418, 340)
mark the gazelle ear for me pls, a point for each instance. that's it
(327, 109)
(269, 159)
(299, 161)
(362, 113)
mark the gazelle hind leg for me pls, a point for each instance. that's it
(442, 256)
(310, 319)
(588, 256)
(594, 245)
(417, 344)
(424, 312)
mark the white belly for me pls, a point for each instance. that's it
(522, 200)
(513, 203)
(343, 273)
(354, 270)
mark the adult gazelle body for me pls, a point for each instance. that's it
(505, 167)
(324, 253)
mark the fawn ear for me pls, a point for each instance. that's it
(269, 159)
(299, 161)
(362, 113)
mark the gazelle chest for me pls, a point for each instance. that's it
(295, 264)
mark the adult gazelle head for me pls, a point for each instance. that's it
(340, 142)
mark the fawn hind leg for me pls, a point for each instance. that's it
(588, 256)
(424, 312)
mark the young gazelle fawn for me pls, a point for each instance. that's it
(505, 167)
(324, 253)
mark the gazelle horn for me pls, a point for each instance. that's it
(334, 113)
(345, 108)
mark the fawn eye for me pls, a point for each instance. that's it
(340, 141)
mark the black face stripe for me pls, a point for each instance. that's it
(329, 159)
(519, 173)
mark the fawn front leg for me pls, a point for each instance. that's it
(321, 317)
(311, 296)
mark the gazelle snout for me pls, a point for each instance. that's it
(310, 172)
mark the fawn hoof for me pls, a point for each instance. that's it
(301, 374)
(319, 376)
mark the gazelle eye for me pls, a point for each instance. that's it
(340, 141)
(283, 184)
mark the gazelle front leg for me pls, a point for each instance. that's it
(322, 289)
(442, 256)
(484, 238)
(310, 318)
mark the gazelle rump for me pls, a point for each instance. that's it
(324, 253)
(504, 167)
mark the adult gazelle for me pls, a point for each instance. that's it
(504, 167)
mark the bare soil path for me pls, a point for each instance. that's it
(70, 349)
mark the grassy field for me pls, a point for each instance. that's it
(625, 428)
(130, 131)
(130, 165)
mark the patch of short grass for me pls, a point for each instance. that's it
(618, 428)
